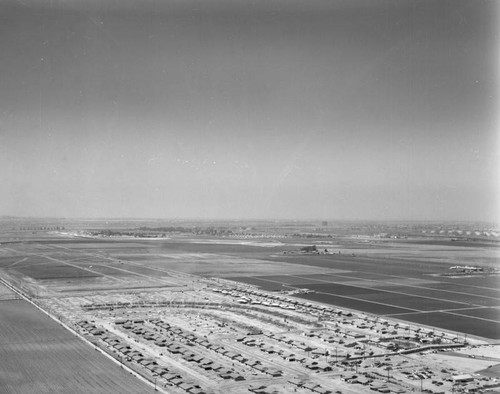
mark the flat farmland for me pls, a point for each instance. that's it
(371, 266)
(351, 303)
(293, 280)
(492, 282)
(107, 270)
(465, 288)
(412, 302)
(120, 270)
(322, 278)
(396, 279)
(455, 322)
(402, 296)
(483, 313)
(460, 296)
(399, 287)
(377, 296)
(51, 270)
(473, 322)
(37, 355)
(191, 245)
(261, 283)
(402, 258)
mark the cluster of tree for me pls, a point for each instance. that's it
(309, 249)
(191, 230)
(115, 233)
(41, 228)
(312, 235)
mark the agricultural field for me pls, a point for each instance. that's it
(37, 355)
(412, 292)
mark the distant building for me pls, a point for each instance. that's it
(462, 378)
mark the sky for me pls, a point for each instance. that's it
(250, 109)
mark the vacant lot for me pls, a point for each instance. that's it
(39, 356)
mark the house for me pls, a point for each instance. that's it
(288, 356)
(170, 376)
(310, 386)
(274, 372)
(296, 381)
(147, 361)
(382, 388)
(311, 365)
(322, 366)
(321, 390)
(177, 381)
(185, 386)
(254, 388)
(240, 358)
(462, 378)
(196, 390)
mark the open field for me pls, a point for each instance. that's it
(37, 355)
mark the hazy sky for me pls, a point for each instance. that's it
(335, 109)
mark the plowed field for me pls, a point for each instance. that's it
(37, 355)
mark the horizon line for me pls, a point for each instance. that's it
(233, 219)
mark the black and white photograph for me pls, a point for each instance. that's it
(249, 196)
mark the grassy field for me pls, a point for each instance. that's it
(37, 355)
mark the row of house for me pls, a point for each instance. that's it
(286, 355)
(278, 300)
(187, 354)
(134, 355)
(221, 350)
